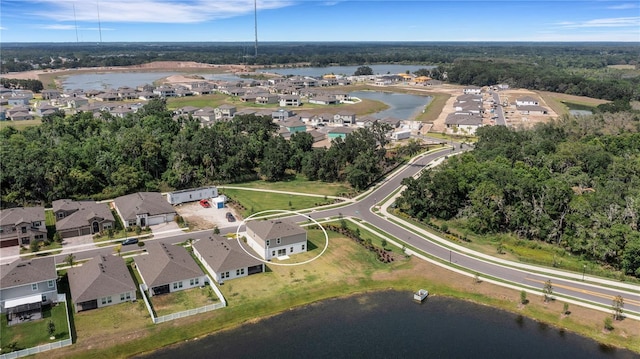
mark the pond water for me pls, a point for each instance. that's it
(402, 106)
(580, 112)
(390, 325)
(345, 70)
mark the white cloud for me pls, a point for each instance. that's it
(3, 28)
(63, 27)
(609, 22)
(624, 6)
(153, 11)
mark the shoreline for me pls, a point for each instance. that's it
(376, 291)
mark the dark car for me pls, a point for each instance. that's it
(130, 241)
(230, 217)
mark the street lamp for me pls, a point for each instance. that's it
(584, 268)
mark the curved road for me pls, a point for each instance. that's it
(590, 291)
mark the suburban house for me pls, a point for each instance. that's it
(225, 259)
(345, 117)
(294, 125)
(48, 94)
(290, 100)
(276, 238)
(224, 111)
(81, 218)
(466, 124)
(100, 282)
(528, 105)
(144, 209)
(341, 132)
(168, 268)
(25, 285)
(472, 90)
(21, 226)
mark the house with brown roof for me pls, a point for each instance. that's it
(168, 268)
(21, 226)
(225, 259)
(25, 285)
(104, 280)
(276, 238)
(79, 218)
(144, 209)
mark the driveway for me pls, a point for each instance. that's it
(9, 254)
(165, 229)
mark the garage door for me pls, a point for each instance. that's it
(9, 243)
(69, 234)
(155, 220)
(86, 231)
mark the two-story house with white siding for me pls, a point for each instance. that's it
(102, 281)
(276, 238)
(21, 226)
(168, 268)
(25, 285)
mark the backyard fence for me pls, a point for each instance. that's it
(185, 313)
(44, 347)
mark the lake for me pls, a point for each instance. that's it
(402, 106)
(108, 80)
(390, 325)
(345, 70)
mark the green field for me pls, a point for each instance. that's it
(255, 201)
(300, 185)
(20, 125)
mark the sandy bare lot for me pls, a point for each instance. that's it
(200, 218)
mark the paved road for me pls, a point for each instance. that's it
(514, 273)
(500, 121)
(588, 290)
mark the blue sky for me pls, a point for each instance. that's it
(318, 20)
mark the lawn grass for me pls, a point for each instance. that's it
(20, 125)
(255, 201)
(49, 217)
(434, 108)
(346, 268)
(300, 184)
(213, 100)
(31, 334)
(182, 300)
(557, 101)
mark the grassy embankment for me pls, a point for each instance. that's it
(346, 268)
(561, 103)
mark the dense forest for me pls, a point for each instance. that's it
(81, 156)
(574, 182)
(572, 68)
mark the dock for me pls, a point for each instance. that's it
(420, 295)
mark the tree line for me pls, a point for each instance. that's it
(574, 183)
(83, 156)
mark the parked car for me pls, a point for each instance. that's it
(204, 203)
(230, 217)
(130, 241)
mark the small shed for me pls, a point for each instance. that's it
(192, 195)
(218, 202)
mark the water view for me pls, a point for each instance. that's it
(108, 80)
(345, 70)
(390, 325)
(402, 106)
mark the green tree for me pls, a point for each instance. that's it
(384, 243)
(608, 323)
(51, 328)
(565, 309)
(216, 230)
(70, 260)
(523, 297)
(363, 71)
(547, 290)
(617, 305)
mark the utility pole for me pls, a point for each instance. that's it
(255, 19)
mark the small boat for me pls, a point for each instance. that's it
(420, 295)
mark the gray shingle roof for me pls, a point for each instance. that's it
(100, 277)
(24, 272)
(21, 215)
(270, 229)
(151, 203)
(166, 264)
(463, 119)
(84, 212)
(224, 255)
